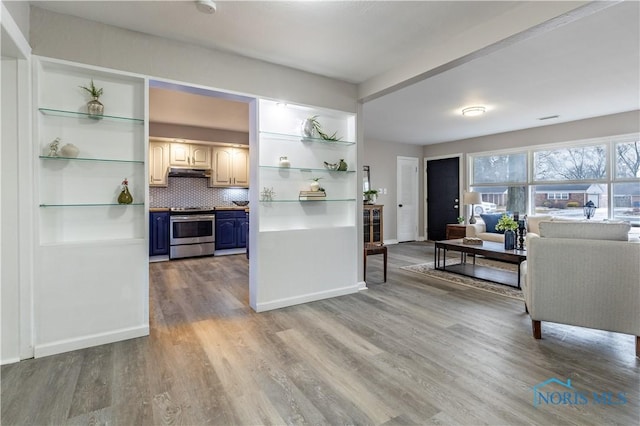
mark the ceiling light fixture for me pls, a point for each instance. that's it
(473, 111)
(206, 6)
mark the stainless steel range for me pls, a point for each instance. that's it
(192, 232)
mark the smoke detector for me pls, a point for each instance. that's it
(206, 6)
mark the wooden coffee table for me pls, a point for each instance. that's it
(489, 250)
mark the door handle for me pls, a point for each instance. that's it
(399, 205)
(455, 207)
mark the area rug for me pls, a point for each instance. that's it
(503, 290)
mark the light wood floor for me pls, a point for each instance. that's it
(409, 351)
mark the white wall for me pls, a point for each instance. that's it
(15, 194)
(381, 158)
(9, 231)
(65, 37)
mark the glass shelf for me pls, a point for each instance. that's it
(77, 114)
(107, 160)
(91, 205)
(306, 169)
(309, 201)
(298, 138)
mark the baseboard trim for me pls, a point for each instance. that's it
(68, 345)
(387, 242)
(306, 298)
(362, 285)
(9, 361)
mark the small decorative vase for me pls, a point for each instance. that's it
(69, 151)
(509, 239)
(342, 166)
(284, 162)
(95, 108)
(315, 185)
(308, 128)
(125, 196)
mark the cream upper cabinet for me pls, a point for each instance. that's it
(158, 163)
(230, 166)
(201, 156)
(190, 155)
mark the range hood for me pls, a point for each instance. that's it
(185, 172)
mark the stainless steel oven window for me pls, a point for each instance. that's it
(192, 229)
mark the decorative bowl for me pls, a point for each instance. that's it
(330, 166)
(240, 203)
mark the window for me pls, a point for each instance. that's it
(558, 195)
(628, 160)
(570, 164)
(500, 179)
(500, 168)
(560, 180)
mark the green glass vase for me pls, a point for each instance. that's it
(125, 196)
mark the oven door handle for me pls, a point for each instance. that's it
(191, 218)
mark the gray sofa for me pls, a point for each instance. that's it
(585, 274)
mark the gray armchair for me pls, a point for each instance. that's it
(585, 274)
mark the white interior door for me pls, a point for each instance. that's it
(407, 190)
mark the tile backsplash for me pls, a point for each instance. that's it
(194, 192)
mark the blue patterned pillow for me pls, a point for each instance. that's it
(490, 222)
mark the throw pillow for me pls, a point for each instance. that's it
(490, 221)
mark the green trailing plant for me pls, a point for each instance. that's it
(371, 192)
(318, 129)
(93, 90)
(506, 222)
(460, 219)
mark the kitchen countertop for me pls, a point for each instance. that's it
(232, 208)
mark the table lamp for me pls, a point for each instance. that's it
(472, 198)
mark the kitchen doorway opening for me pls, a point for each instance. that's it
(199, 190)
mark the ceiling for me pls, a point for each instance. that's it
(587, 67)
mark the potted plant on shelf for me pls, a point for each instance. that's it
(370, 196)
(94, 106)
(311, 127)
(507, 224)
(460, 219)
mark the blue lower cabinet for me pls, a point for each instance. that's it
(243, 231)
(158, 233)
(225, 233)
(232, 228)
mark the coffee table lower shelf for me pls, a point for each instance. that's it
(489, 250)
(485, 273)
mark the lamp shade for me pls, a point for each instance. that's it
(471, 198)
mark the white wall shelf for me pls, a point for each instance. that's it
(106, 160)
(335, 200)
(298, 138)
(308, 169)
(91, 205)
(84, 115)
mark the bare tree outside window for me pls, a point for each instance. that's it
(579, 163)
(628, 160)
(500, 168)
